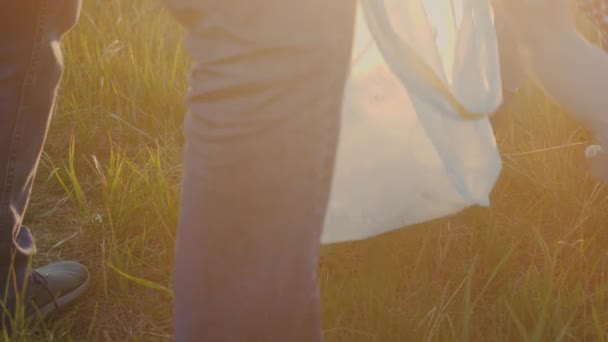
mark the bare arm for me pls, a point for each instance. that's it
(560, 60)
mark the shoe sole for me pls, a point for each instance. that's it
(64, 300)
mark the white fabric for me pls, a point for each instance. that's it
(405, 155)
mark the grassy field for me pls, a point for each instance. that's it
(531, 268)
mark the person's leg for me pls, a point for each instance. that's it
(261, 133)
(30, 70)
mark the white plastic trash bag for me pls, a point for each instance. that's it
(416, 143)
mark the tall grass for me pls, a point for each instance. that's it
(531, 268)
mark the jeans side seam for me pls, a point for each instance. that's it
(29, 80)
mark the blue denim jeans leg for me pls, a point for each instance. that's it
(261, 132)
(30, 71)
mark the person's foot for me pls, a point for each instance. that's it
(54, 286)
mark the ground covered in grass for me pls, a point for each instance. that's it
(531, 268)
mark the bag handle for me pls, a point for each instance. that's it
(396, 50)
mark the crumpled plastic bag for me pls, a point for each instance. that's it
(416, 142)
